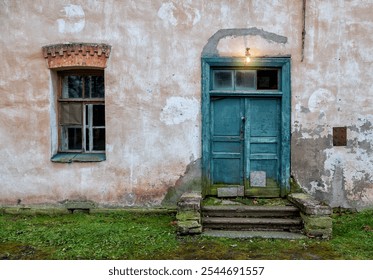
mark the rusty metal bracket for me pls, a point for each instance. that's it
(339, 136)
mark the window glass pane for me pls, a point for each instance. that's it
(97, 87)
(87, 139)
(223, 80)
(71, 113)
(72, 87)
(267, 79)
(94, 87)
(245, 79)
(98, 115)
(86, 114)
(99, 139)
(74, 138)
(87, 88)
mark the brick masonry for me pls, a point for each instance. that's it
(77, 55)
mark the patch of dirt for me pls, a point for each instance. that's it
(249, 249)
(368, 228)
(15, 251)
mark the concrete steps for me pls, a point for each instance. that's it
(251, 218)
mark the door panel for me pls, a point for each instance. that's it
(227, 171)
(227, 141)
(266, 165)
(263, 138)
(264, 117)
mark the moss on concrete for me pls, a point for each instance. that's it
(188, 227)
(294, 186)
(213, 201)
(318, 226)
(188, 215)
(317, 222)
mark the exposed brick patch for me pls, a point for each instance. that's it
(77, 55)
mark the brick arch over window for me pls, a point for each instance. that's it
(82, 55)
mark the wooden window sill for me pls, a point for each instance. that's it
(78, 157)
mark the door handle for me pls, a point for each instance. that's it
(243, 119)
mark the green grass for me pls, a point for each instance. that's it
(118, 235)
(143, 235)
(353, 235)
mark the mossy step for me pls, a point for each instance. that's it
(254, 234)
(264, 221)
(250, 211)
(248, 201)
(252, 223)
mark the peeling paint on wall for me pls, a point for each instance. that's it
(211, 48)
(72, 20)
(320, 100)
(179, 109)
(178, 12)
(344, 180)
(166, 13)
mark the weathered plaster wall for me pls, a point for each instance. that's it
(153, 93)
(335, 89)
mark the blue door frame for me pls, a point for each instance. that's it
(282, 97)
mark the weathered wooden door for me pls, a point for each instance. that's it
(245, 144)
(246, 127)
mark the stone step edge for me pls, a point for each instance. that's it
(253, 234)
(258, 215)
(256, 221)
(245, 208)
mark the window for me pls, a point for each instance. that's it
(245, 80)
(78, 110)
(81, 111)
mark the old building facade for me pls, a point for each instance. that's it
(131, 103)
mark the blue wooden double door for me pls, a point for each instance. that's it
(245, 137)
